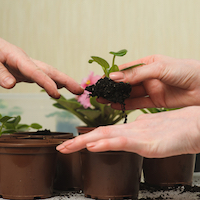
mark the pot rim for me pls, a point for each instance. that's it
(29, 143)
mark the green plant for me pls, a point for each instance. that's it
(156, 110)
(10, 124)
(95, 115)
(85, 107)
(106, 67)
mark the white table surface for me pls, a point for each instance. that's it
(143, 194)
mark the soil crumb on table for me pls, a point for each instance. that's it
(148, 192)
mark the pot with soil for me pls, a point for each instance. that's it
(170, 171)
(43, 134)
(68, 169)
(27, 168)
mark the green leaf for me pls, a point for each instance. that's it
(101, 61)
(9, 126)
(68, 104)
(144, 111)
(9, 131)
(22, 127)
(90, 114)
(94, 102)
(57, 105)
(114, 68)
(35, 126)
(15, 121)
(5, 119)
(119, 53)
(104, 64)
(133, 66)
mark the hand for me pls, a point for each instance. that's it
(16, 66)
(151, 135)
(162, 82)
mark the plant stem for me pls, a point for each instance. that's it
(113, 62)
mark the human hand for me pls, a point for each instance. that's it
(16, 66)
(150, 135)
(162, 82)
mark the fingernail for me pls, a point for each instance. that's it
(65, 144)
(60, 147)
(82, 90)
(116, 76)
(9, 81)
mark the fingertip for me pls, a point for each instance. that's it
(60, 147)
(102, 100)
(8, 82)
(80, 91)
(54, 94)
(75, 90)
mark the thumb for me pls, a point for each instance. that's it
(138, 74)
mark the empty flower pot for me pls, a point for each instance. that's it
(68, 171)
(27, 168)
(170, 171)
(111, 174)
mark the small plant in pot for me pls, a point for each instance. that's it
(27, 167)
(63, 177)
(170, 171)
(110, 174)
(10, 124)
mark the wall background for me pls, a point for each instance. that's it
(65, 33)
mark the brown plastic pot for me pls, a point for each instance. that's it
(10, 136)
(68, 172)
(84, 129)
(111, 174)
(27, 168)
(170, 171)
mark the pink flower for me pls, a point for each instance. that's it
(84, 99)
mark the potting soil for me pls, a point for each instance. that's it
(111, 91)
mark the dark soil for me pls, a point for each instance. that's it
(44, 132)
(179, 188)
(151, 189)
(111, 91)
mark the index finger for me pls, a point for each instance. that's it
(81, 141)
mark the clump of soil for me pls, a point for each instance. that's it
(112, 91)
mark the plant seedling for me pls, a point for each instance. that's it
(10, 124)
(114, 68)
(107, 88)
